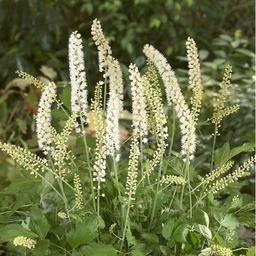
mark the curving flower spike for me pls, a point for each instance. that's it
(140, 126)
(175, 96)
(79, 104)
(43, 118)
(102, 44)
(114, 105)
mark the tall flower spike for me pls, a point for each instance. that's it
(43, 119)
(79, 103)
(139, 114)
(79, 203)
(102, 44)
(99, 167)
(194, 73)
(174, 95)
(60, 153)
(25, 158)
(157, 121)
(131, 182)
(220, 110)
(114, 105)
(241, 171)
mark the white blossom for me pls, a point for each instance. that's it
(79, 102)
(175, 96)
(24, 241)
(43, 119)
(114, 105)
(102, 44)
(139, 114)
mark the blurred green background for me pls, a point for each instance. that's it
(34, 38)
(35, 32)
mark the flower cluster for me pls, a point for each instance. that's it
(194, 81)
(25, 242)
(214, 174)
(241, 171)
(174, 95)
(102, 44)
(43, 118)
(157, 121)
(36, 82)
(220, 109)
(78, 192)
(218, 250)
(60, 152)
(131, 182)
(114, 105)
(99, 167)
(172, 179)
(139, 113)
(79, 103)
(25, 158)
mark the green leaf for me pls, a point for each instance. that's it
(168, 229)
(84, 232)
(205, 231)
(229, 221)
(99, 250)
(222, 155)
(38, 222)
(41, 248)
(180, 233)
(206, 218)
(9, 232)
(151, 238)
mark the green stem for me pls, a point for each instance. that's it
(126, 222)
(213, 145)
(89, 165)
(156, 194)
(173, 196)
(64, 196)
(116, 175)
(173, 132)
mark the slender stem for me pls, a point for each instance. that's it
(156, 194)
(141, 160)
(174, 193)
(116, 175)
(89, 165)
(65, 200)
(183, 187)
(98, 198)
(189, 191)
(126, 222)
(105, 94)
(43, 178)
(213, 145)
(173, 132)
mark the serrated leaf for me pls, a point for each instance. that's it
(229, 221)
(38, 222)
(84, 232)
(180, 233)
(99, 250)
(9, 232)
(222, 154)
(168, 229)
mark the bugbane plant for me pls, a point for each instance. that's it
(71, 197)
